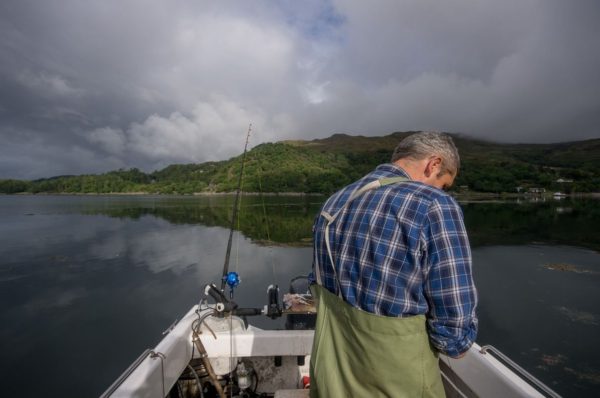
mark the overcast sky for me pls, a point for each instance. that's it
(92, 86)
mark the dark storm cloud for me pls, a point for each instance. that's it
(93, 86)
(511, 71)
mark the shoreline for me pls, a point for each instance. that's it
(160, 194)
(458, 195)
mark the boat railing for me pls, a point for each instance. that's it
(528, 377)
(114, 386)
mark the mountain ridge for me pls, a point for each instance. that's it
(324, 165)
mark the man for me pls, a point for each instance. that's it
(392, 266)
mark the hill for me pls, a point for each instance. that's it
(324, 165)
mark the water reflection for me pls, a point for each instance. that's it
(289, 220)
(92, 281)
(152, 244)
(522, 223)
(277, 220)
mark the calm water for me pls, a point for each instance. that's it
(87, 283)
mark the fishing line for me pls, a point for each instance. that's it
(231, 359)
(232, 364)
(266, 220)
(235, 218)
(237, 238)
(234, 213)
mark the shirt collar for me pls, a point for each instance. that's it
(392, 168)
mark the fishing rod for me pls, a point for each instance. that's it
(226, 305)
(233, 218)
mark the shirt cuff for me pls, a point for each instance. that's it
(452, 346)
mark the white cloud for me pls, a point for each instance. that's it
(316, 93)
(110, 139)
(209, 132)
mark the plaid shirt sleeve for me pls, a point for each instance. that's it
(448, 280)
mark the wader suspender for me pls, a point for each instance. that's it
(332, 218)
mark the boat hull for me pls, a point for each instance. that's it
(281, 359)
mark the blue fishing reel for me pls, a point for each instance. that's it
(233, 280)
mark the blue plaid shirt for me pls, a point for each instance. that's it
(402, 250)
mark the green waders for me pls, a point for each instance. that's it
(357, 354)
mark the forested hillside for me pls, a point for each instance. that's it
(324, 165)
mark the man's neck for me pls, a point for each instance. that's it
(412, 167)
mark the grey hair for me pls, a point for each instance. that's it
(428, 143)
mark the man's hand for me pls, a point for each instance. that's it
(460, 356)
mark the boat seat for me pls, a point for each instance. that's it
(292, 393)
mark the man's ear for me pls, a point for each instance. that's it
(433, 166)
